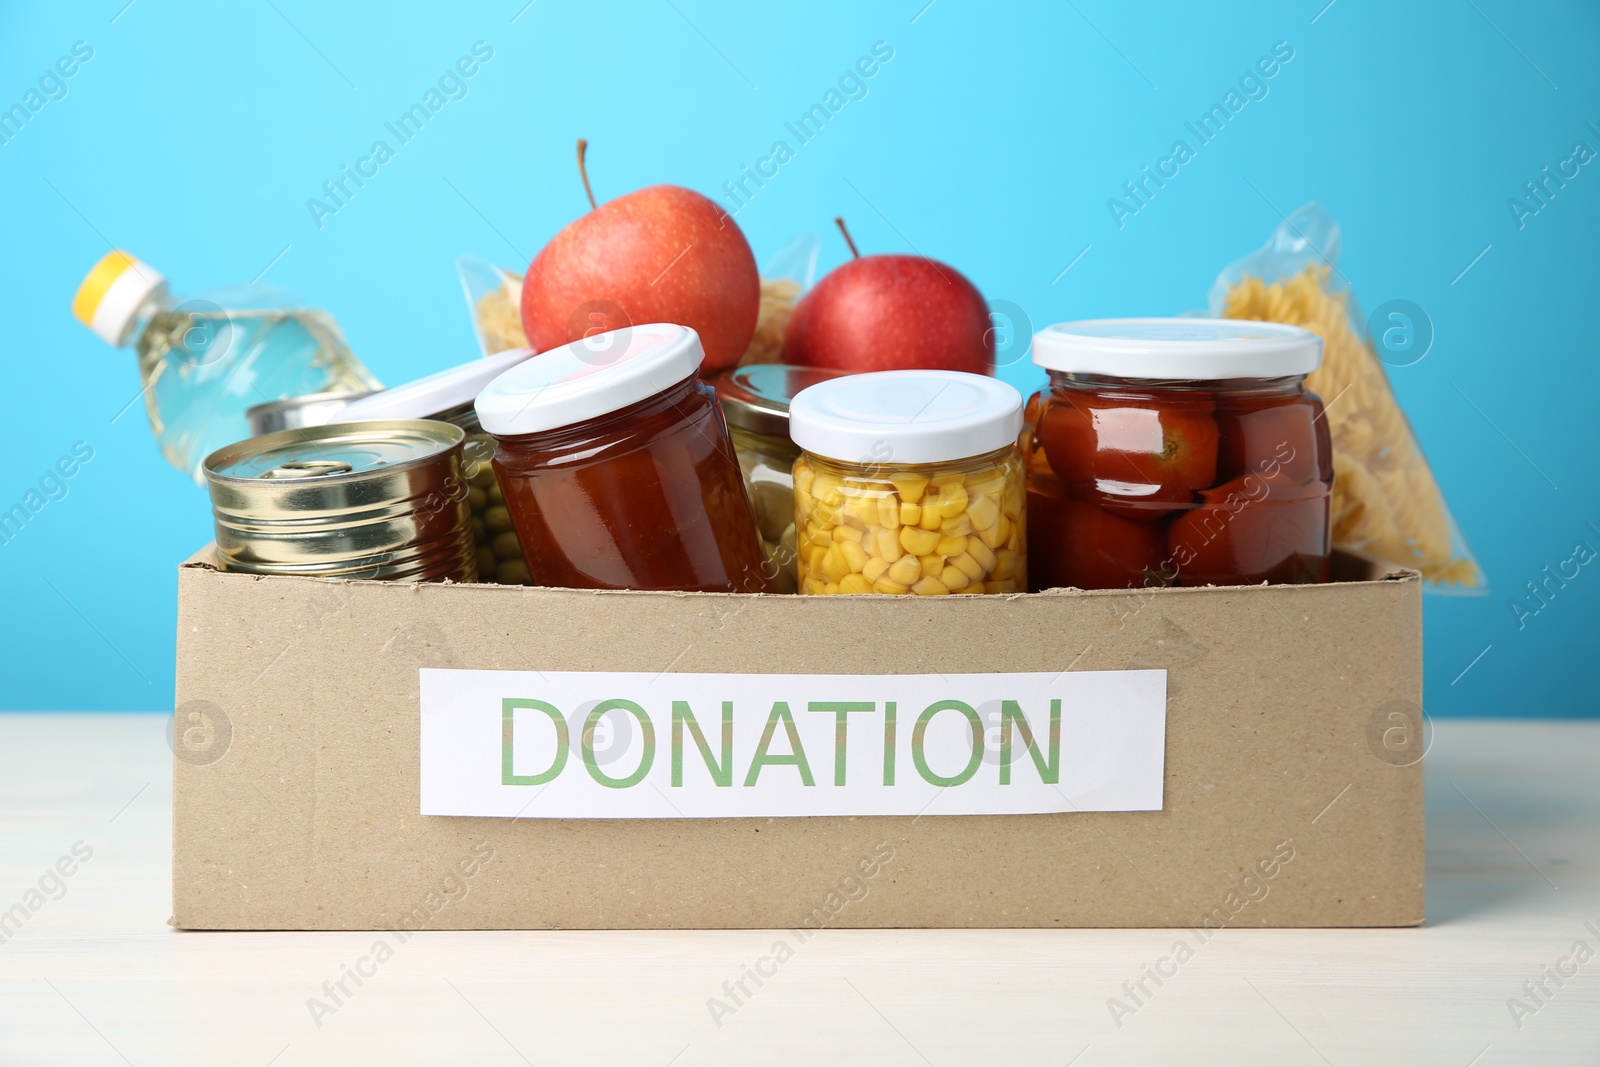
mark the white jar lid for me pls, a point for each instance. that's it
(589, 378)
(906, 416)
(436, 394)
(1177, 349)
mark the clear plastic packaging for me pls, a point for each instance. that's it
(494, 296)
(1386, 504)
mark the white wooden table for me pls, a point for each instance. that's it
(94, 975)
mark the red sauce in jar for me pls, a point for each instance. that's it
(645, 496)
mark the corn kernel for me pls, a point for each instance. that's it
(983, 511)
(905, 570)
(1005, 564)
(864, 510)
(995, 536)
(990, 487)
(918, 542)
(969, 566)
(953, 501)
(909, 486)
(888, 544)
(954, 530)
(981, 553)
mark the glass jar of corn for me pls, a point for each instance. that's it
(909, 482)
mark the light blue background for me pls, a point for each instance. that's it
(992, 141)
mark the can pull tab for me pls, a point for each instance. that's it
(310, 468)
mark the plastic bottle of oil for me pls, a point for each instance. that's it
(206, 359)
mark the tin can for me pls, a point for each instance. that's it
(312, 409)
(381, 499)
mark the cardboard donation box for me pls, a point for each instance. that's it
(371, 755)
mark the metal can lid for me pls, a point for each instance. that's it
(314, 453)
(756, 397)
(307, 409)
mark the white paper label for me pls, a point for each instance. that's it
(581, 745)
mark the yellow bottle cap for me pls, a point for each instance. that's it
(112, 294)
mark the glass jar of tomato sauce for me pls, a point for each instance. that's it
(1177, 452)
(909, 481)
(616, 467)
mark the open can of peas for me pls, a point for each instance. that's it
(448, 396)
(909, 482)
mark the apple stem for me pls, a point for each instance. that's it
(583, 172)
(854, 251)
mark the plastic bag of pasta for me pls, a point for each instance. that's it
(1386, 504)
(494, 296)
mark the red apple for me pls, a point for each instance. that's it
(892, 313)
(661, 254)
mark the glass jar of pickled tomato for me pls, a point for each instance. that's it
(755, 402)
(1177, 452)
(909, 482)
(616, 467)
